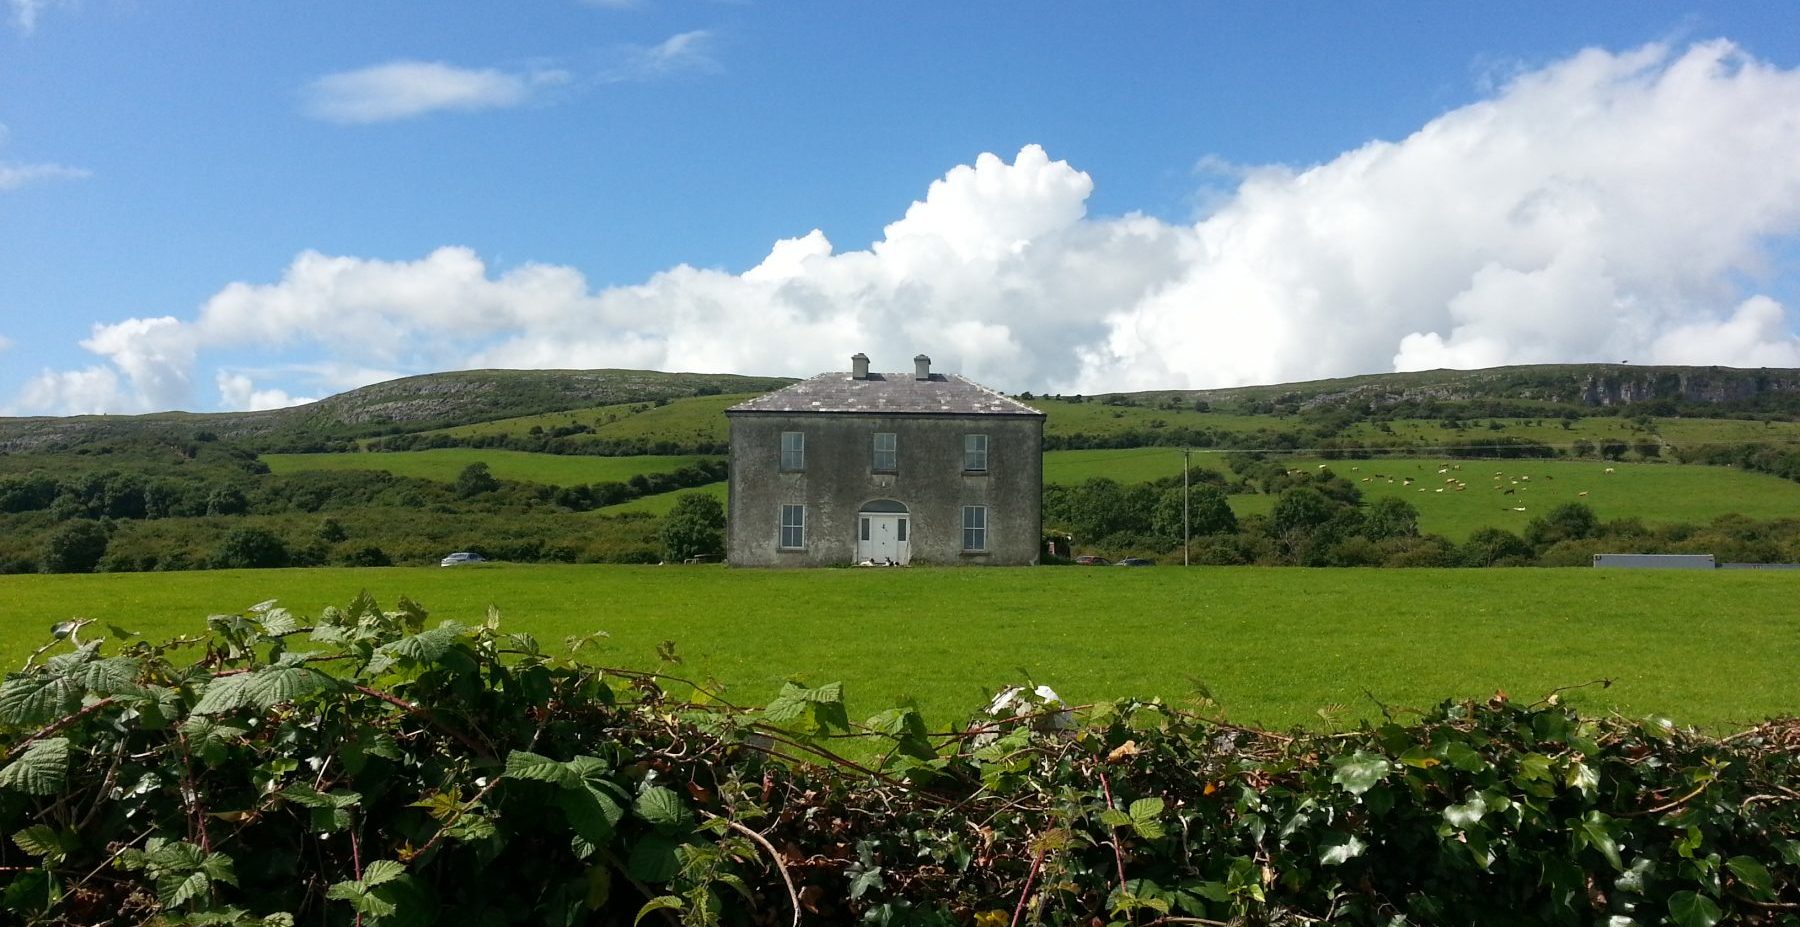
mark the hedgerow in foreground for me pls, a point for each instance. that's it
(363, 769)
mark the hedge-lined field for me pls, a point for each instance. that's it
(1273, 645)
(444, 464)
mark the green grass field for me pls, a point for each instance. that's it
(445, 463)
(1658, 493)
(663, 502)
(1274, 645)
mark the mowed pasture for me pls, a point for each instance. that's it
(1473, 494)
(1273, 646)
(444, 464)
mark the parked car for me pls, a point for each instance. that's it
(1135, 561)
(1091, 560)
(461, 557)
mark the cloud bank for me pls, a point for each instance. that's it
(408, 89)
(1607, 207)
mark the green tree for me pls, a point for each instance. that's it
(1208, 512)
(1495, 547)
(1613, 448)
(475, 480)
(1567, 522)
(1391, 517)
(249, 547)
(75, 547)
(695, 527)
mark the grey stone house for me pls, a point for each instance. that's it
(914, 467)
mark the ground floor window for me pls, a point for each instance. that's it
(974, 527)
(793, 527)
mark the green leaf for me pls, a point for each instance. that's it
(41, 840)
(1464, 757)
(107, 677)
(653, 859)
(662, 903)
(41, 770)
(663, 808)
(1358, 772)
(1467, 814)
(810, 711)
(863, 879)
(1584, 777)
(1688, 909)
(523, 765)
(1338, 849)
(382, 870)
(176, 890)
(262, 689)
(1754, 877)
(37, 699)
(1594, 832)
(1144, 818)
(426, 647)
(1113, 817)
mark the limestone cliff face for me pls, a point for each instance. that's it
(1713, 386)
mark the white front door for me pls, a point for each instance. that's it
(882, 537)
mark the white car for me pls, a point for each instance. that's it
(461, 557)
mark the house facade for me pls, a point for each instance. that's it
(916, 467)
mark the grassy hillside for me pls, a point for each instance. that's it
(411, 404)
(1273, 645)
(444, 465)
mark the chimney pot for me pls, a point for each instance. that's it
(859, 366)
(921, 367)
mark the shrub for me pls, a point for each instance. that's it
(75, 547)
(695, 527)
(249, 547)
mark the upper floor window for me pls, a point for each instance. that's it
(975, 449)
(793, 527)
(793, 450)
(974, 527)
(887, 453)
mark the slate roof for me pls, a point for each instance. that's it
(887, 393)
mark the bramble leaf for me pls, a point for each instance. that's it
(41, 770)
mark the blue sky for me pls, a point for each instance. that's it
(214, 206)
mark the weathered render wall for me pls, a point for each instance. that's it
(839, 480)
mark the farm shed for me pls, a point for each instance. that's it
(1656, 561)
(892, 467)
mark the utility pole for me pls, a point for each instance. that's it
(1184, 506)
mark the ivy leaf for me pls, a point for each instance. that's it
(663, 808)
(1584, 777)
(1594, 832)
(1467, 814)
(1340, 848)
(862, 879)
(1688, 909)
(1754, 876)
(1358, 772)
(41, 770)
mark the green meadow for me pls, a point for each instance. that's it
(1473, 494)
(445, 463)
(1273, 646)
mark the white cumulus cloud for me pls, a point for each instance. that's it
(1612, 206)
(238, 391)
(407, 89)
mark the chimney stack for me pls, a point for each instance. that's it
(859, 366)
(921, 367)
